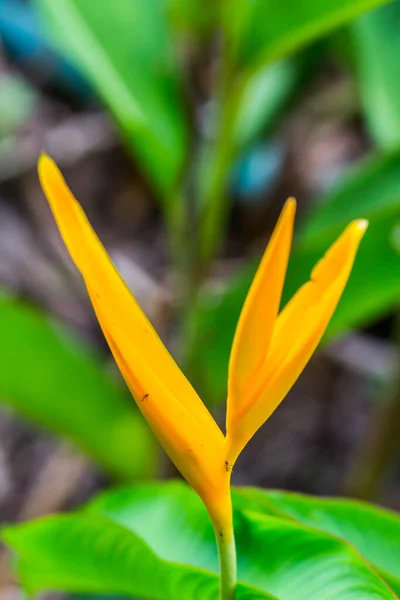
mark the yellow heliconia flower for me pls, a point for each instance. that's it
(269, 351)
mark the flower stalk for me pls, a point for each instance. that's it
(221, 514)
(227, 564)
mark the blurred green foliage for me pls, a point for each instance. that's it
(156, 541)
(196, 18)
(377, 51)
(129, 53)
(133, 53)
(256, 35)
(264, 95)
(126, 51)
(262, 32)
(51, 379)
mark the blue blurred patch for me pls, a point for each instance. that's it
(256, 172)
(25, 42)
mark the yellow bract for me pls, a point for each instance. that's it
(174, 411)
(268, 354)
(295, 334)
(258, 317)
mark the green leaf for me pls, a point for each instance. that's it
(262, 32)
(277, 555)
(303, 564)
(372, 191)
(194, 17)
(377, 51)
(156, 541)
(263, 96)
(92, 554)
(48, 377)
(124, 48)
(171, 508)
(375, 532)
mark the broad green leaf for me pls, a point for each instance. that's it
(144, 541)
(152, 508)
(125, 50)
(262, 32)
(375, 532)
(298, 563)
(92, 554)
(48, 377)
(377, 51)
(280, 556)
(372, 191)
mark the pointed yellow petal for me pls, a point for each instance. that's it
(256, 322)
(292, 321)
(197, 451)
(179, 418)
(297, 333)
(98, 271)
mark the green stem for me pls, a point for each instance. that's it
(377, 451)
(220, 155)
(227, 563)
(380, 443)
(176, 223)
(216, 201)
(212, 222)
(211, 208)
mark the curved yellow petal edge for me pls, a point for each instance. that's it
(269, 351)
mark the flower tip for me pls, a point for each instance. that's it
(44, 157)
(290, 204)
(50, 175)
(358, 228)
(288, 212)
(44, 162)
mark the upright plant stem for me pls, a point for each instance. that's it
(221, 514)
(227, 564)
(204, 236)
(216, 201)
(377, 452)
(380, 443)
